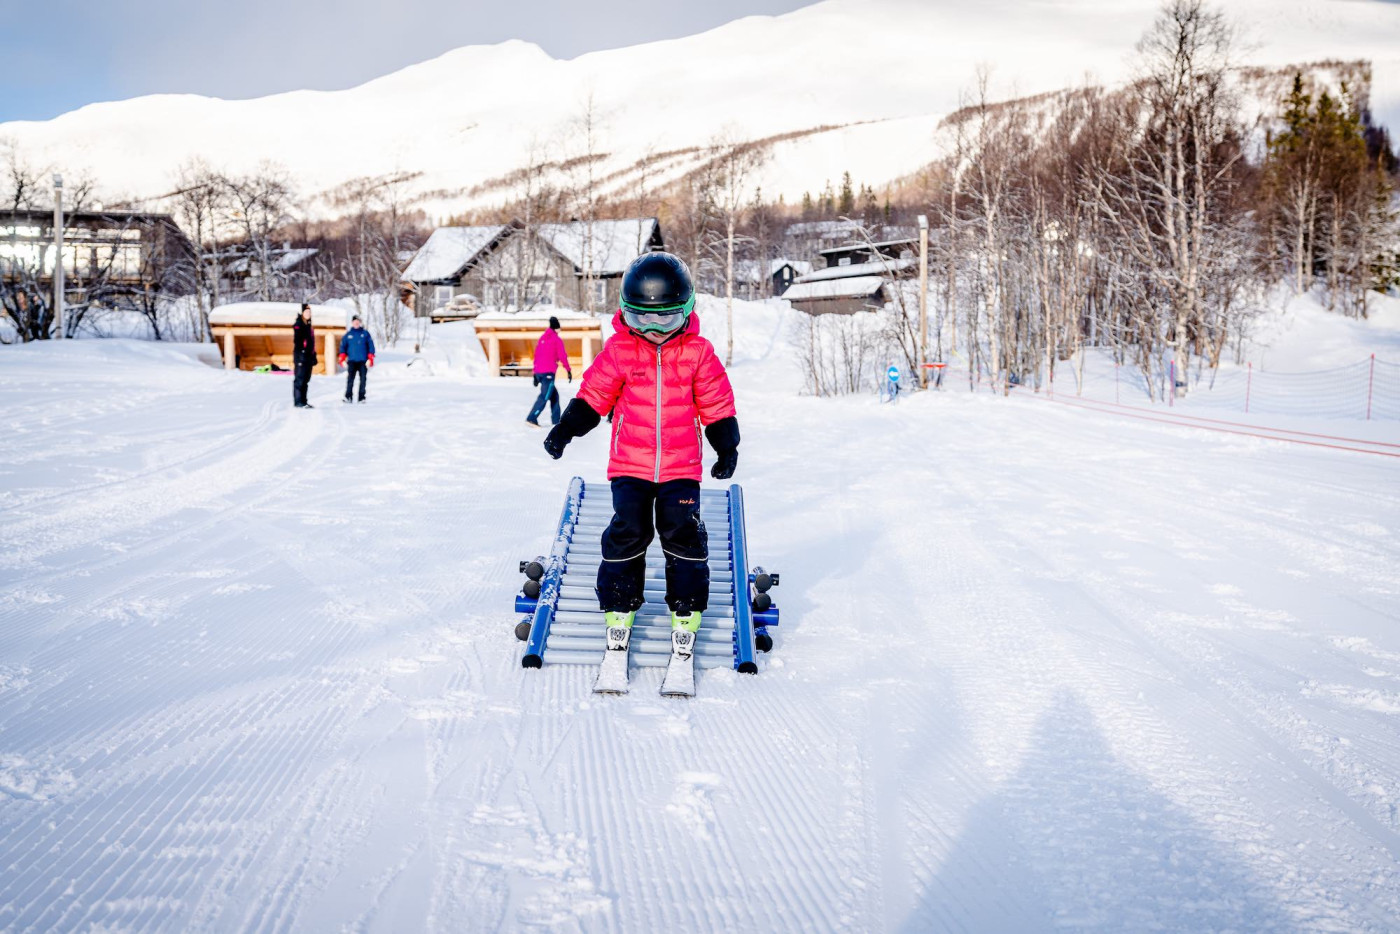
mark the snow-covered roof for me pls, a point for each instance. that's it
(614, 244)
(285, 313)
(855, 287)
(819, 228)
(282, 260)
(878, 268)
(536, 316)
(801, 267)
(869, 246)
(448, 250)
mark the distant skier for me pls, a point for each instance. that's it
(549, 355)
(662, 381)
(303, 356)
(357, 353)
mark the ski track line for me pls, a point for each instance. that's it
(177, 652)
(932, 800)
(82, 523)
(1203, 689)
(180, 532)
(118, 876)
(139, 814)
(1183, 531)
(180, 435)
(1042, 653)
(1254, 524)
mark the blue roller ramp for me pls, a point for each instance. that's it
(563, 625)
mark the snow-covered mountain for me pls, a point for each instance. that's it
(876, 75)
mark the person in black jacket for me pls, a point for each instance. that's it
(303, 356)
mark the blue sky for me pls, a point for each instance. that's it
(57, 55)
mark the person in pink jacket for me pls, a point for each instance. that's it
(549, 356)
(662, 382)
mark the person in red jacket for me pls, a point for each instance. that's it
(549, 355)
(662, 382)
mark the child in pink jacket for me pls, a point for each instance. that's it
(663, 382)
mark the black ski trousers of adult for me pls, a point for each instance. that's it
(640, 510)
(353, 367)
(301, 379)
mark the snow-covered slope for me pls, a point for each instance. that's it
(1038, 669)
(468, 116)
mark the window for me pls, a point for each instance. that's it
(844, 261)
(442, 294)
(539, 292)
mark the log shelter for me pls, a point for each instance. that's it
(509, 339)
(253, 334)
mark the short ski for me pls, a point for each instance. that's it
(612, 673)
(680, 673)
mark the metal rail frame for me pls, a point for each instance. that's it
(541, 610)
(549, 585)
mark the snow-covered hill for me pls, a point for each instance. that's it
(881, 71)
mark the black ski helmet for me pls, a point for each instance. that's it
(657, 293)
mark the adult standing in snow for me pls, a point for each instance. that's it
(357, 353)
(549, 355)
(303, 356)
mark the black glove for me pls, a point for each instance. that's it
(724, 438)
(578, 420)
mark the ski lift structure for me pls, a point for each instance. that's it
(559, 620)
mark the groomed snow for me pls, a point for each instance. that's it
(1038, 669)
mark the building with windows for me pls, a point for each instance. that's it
(512, 268)
(857, 277)
(115, 248)
(117, 261)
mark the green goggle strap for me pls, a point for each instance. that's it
(687, 306)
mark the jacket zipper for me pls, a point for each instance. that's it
(617, 433)
(658, 413)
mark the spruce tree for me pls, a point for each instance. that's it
(847, 205)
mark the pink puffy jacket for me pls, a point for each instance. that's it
(660, 396)
(550, 353)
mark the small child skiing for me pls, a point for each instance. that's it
(662, 382)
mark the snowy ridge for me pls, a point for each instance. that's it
(754, 77)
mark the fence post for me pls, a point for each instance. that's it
(1370, 385)
(1115, 384)
(1248, 381)
(1171, 389)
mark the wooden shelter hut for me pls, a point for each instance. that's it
(509, 339)
(253, 334)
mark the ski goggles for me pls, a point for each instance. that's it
(657, 320)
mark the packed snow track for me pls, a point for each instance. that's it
(1039, 669)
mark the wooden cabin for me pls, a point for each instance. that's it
(512, 268)
(838, 296)
(509, 340)
(253, 334)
